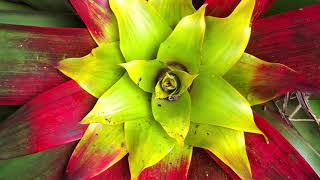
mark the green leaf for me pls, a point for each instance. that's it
(100, 148)
(48, 5)
(48, 164)
(226, 38)
(147, 144)
(124, 101)
(173, 11)
(144, 73)
(96, 72)
(308, 151)
(216, 102)
(141, 29)
(36, 18)
(227, 144)
(174, 116)
(185, 80)
(11, 6)
(184, 45)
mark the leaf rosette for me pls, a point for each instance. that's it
(159, 80)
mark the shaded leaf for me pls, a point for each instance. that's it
(291, 135)
(36, 18)
(144, 73)
(48, 164)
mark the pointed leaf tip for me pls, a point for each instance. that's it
(142, 42)
(227, 38)
(174, 116)
(187, 37)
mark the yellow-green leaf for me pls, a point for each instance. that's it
(96, 72)
(144, 73)
(124, 101)
(227, 144)
(147, 144)
(174, 116)
(184, 45)
(226, 38)
(141, 29)
(216, 102)
(173, 11)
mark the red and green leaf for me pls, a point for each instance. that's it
(291, 39)
(259, 81)
(26, 56)
(174, 166)
(100, 148)
(49, 120)
(99, 19)
(222, 8)
(44, 165)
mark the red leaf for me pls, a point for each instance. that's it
(204, 168)
(27, 54)
(222, 8)
(292, 39)
(278, 159)
(97, 16)
(118, 171)
(174, 166)
(275, 160)
(49, 120)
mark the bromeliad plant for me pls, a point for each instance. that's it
(172, 96)
(167, 79)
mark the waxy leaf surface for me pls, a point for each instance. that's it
(216, 102)
(174, 116)
(175, 165)
(124, 101)
(99, 19)
(141, 29)
(96, 72)
(184, 45)
(147, 144)
(227, 144)
(173, 11)
(226, 38)
(144, 73)
(100, 148)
